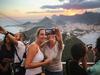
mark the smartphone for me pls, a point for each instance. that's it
(49, 31)
(89, 46)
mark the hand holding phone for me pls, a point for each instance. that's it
(50, 31)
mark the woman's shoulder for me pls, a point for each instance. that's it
(33, 46)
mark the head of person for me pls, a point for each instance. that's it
(7, 39)
(78, 51)
(97, 49)
(51, 36)
(20, 36)
(8, 44)
(40, 35)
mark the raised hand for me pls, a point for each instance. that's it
(2, 30)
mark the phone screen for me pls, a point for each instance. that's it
(48, 31)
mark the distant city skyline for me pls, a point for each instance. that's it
(35, 9)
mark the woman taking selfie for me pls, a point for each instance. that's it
(53, 50)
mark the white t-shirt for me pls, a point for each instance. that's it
(55, 55)
(20, 50)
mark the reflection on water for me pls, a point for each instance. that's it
(90, 38)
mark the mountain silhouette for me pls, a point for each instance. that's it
(47, 22)
(86, 18)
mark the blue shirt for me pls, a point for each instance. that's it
(95, 69)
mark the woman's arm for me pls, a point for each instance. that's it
(59, 38)
(12, 38)
(32, 51)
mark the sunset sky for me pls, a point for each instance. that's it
(40, 8)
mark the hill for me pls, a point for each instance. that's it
(46, 22)
(86, 18)
(69, 42)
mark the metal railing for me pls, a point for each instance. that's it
(88, 63)
(64, 66)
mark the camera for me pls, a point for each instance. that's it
(50, 31)
(89, 46)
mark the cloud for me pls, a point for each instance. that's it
(61, 0)
(48, 11)
(78, 4)
(92, 4)
(54, 11)
(30, 12)
(75, 1)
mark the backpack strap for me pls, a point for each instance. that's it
(18, 57)
(24, 54)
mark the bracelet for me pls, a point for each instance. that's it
(6, 33)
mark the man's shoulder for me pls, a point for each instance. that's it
(21, 43)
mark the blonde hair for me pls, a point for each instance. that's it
(38, 31)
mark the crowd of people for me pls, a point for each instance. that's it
(43, 55)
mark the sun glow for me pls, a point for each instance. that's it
(72, 12)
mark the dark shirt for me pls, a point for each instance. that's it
(6, 57)
(73, 68)
(5, 53)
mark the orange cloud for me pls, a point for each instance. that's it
(22, 14)
(45, 13)
(72, 12)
